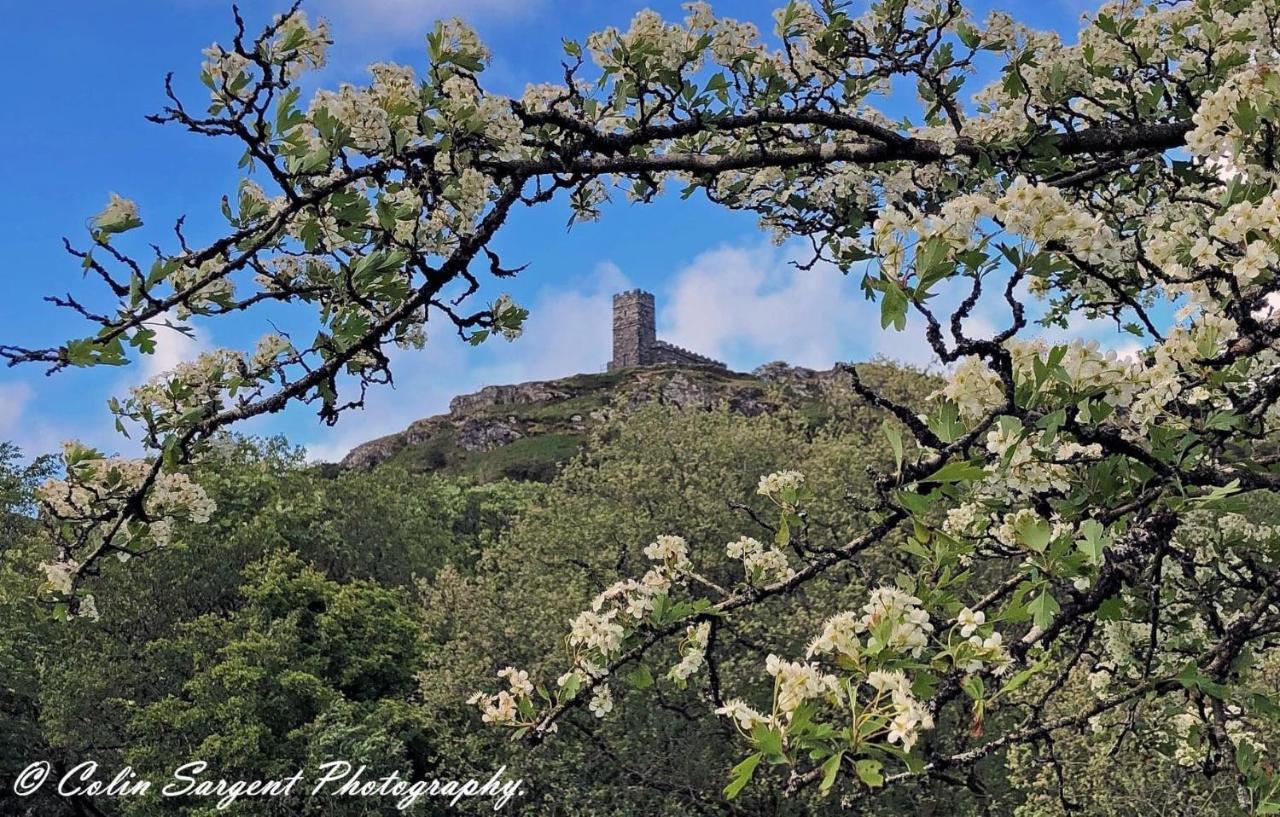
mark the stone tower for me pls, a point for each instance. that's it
(634, 334)
(635, 340)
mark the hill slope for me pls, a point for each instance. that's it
(526, 431)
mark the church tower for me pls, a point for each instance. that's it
(634, 334)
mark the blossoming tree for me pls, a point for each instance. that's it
(1044, 495)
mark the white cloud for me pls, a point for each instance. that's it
(748, 305)
(172, 347)
(568, 332)
(14, 398)
(32, 435)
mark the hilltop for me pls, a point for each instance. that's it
(526, 431)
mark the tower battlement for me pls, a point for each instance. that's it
(635, 340)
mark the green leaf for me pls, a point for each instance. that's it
(830, 769)
(895, 441)
(570, 689)
(1191, 678)
(1051, 423)
(1043, 608)
(741, 775)
(1111, 609)
(893, 308)
(801, 719)
(1033, 532)
(525, 707)
(869, 772)
(1264, 705)
(957, 471)
(640, 678)
(1016, 682)
(144, 340)
(1094, 540)
(783, 534)
(946, 424)
(932, 263)
(1218, 495)
(767, 740)
(973, 687)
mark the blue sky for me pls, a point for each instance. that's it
(82, 77)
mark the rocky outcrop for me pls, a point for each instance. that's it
(521, 394)
(803, 382)
(497, 416)
(483, 434)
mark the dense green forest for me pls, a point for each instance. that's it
(323, 615)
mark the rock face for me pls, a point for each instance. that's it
(499, 418)
(804, 382)
(521, 394)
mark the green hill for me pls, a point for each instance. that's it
(526, 431)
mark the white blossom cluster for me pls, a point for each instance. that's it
(1184, 35)
(651, 44)
(894, 620)
(762, 565)
(296, 47)
(778, 485)
(891, 619)
(227, 74)
(671, 551)
(797, 682)
(896, 629)
(119, 215)
(980, 650)
(359, 112)
(601, 703)
(839, 635)
(96, 487)
(201, 384)
(503, 707)
(270, 348)
(1220, 132)
(744, 717)
(204, 285)
(597, 631)
(1035, 212)
(693, 652)
(93, 481)
(908, 716)
(596, 635)
(1142, 390)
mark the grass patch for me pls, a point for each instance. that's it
(531, 458)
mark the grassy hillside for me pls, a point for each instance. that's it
(528, 431)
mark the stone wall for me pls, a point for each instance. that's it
(664, 352)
